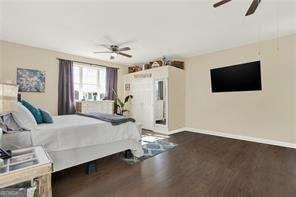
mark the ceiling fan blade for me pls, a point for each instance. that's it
(127, 42)
(104, 45)
(253, 7)
(124, 54)
(103, 52)
(109, 40)
(124, 49)
(221, 3)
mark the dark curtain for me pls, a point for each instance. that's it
(66, 102)
(111, 82)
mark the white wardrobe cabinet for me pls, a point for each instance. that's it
(158, 102)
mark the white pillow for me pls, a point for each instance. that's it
(24, 117)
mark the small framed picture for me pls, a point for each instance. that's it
(127, 87)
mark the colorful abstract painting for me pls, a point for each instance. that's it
(30, 80)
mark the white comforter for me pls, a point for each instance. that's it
(74, 131)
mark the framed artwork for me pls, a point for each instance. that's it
(127, 87)
(30, 80)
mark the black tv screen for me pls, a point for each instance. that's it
(242, 77)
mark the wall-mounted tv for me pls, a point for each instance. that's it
(242, 77)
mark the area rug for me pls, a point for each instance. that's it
(152, 146)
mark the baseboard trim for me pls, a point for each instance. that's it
(176, 131)
(238, 137)
(171, 132)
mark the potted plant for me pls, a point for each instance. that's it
(120, 104)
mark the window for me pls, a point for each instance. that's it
(89, 81)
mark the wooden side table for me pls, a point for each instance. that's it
(25, 165)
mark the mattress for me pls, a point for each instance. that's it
(72, 140)
(73, 131)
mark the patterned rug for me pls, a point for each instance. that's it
(152, 146)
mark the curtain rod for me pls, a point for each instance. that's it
(88, 63)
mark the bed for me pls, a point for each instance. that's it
(73, 139)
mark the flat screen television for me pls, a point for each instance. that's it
(242, 77)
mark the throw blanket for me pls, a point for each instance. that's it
(113, 119)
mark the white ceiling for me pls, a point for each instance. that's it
(172, 28)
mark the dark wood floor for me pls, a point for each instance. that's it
(200, 165)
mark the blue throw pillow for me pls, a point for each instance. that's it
(35, 111)
(46, 117)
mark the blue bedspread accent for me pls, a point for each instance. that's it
(113, 119)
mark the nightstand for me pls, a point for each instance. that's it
(27, 165)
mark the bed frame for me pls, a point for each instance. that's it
(73, 157)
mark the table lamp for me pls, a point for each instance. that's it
(8, 103)
(8, 98)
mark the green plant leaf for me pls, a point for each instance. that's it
(127, 98)
(117, 99)
(115, 94)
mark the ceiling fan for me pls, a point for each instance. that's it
(114, 49)
(251, 10)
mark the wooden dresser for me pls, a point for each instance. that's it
(106, 106)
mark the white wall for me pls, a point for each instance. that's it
(176, 98)
(1, 65)
(269, 113)
(19, 56)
